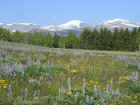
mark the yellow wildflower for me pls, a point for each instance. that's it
(135, 97)
(35, 55)
(95, 86)
(74, 71)
(2, 81)
(104, 89)
(68, 93)
(5, 86)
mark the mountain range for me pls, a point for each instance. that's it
(75, 26)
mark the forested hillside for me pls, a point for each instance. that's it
(103, 39)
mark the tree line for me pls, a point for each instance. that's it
(103, 39)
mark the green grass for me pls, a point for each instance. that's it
(34, 48)
(51, 68)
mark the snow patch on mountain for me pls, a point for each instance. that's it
(119, 23)
(117, 20)
(27, 24)
(75, 26)
(22, 27)
(131, 25)
(50, 28)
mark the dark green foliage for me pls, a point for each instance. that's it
(85, 39)
(56, 40)
(132, 67)
(5, 35)
(62, 42)
(135, 88)
(103, 39)
(73, 41)
(33, 70)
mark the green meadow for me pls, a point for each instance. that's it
(34, 75)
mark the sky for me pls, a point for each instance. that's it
(46, 12)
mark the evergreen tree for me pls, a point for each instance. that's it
(137, 44)
(72, 41)
(103, 39)
(126, 40)
(5, 34)
(117, 41)
(49, 40)
(62, 42)
(85, 37)
(95, 37)
(56, 40)
(133, 38)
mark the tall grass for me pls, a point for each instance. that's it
(47, 76)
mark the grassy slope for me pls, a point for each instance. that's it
(98, 71)
(20, 46)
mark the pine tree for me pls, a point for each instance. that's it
(85, 37)
(5, 34)
(95, 35)
(62, 42)
(117, 39)
(56, 40)
(133, 38)
(72, 41)
(49, 40)
(126, 40)
(137, 44)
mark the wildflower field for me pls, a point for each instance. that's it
(33, 75)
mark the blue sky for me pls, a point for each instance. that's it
(47, 12)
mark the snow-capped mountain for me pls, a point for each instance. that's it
(75, 26)
(118, 23)
(22, 27)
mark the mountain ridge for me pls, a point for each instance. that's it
(76, 26)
